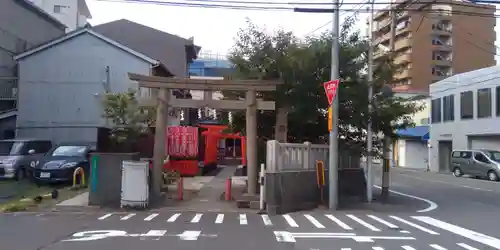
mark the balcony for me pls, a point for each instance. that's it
(402, 44)
(442, 47)
(402, 58)
(8, 88)
(403, 74)
(442, 63)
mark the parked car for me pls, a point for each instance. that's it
(16, 155)
(59, 164)
(481, 163)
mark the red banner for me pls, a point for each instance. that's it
(182, 141)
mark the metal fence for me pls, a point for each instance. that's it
(281, 157)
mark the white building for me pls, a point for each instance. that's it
(72, 13)
(465, 114)
(410, 150)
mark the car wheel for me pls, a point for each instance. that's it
(457, 172)
(492, 176)
(20, 174)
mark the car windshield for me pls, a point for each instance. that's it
(69, 151)
(10, 147)
(494, 155)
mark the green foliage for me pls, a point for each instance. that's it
(128, 119)
(303, 65)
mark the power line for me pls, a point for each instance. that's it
(191, 3)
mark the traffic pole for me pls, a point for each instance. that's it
(333, 147)
(369, 132)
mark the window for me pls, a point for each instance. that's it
(498, 101)
(59, 8)
(448, 108)
(483, 103)
(466, 105)
(455, 154)
(462, 154)
(480, 157)
(436, 110)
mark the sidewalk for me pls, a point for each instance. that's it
(210, 196)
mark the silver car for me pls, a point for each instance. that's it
(16, 155)
(479, 163)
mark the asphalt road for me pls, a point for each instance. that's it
(461, 216)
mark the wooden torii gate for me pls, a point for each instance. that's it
(164, 101)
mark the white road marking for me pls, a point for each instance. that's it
(404, 232)
(432, 205)
(467, 246)
(104, 216)
(390, 225)
(128, 216)
(150, 217)
(339, 222)
(267, 221)
(415, 225)
(408, 248)
(345, 249)
(189, 235)
(173, 217)
(472, 235)
(377, 248)
(243, 219)
(357, 238)
(196, 218)
(219, 219)
(313, 221)
(362, 222)
(290, 220)
(154, 233)
(437, 247)
(282, 236)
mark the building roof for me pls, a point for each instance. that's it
(420, 132)
(76, 33)
(173, 51)
(42, 13)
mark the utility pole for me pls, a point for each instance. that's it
(334, 148)
(369, 132)
(387, 140)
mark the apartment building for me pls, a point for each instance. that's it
(435, 41)
(73, 13)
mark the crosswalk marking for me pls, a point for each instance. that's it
(150, 217)
(173, 217)
(190, 235)
(314, 221)
(128, 216)
(219, 219)
(104, 216)
(267, 221)
(414, 225)
(345, 249)
(437, 247)
(364, 223)
(290, 220)
(243, 219)
(390, 225)
(339, 222)
(408, 248)
(377, 248)
(467, 246)
(196, 218)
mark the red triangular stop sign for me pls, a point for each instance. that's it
(331, 90)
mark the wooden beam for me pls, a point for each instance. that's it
(202, 84)
(208, 87)
(215, 104)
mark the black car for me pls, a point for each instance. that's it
(59, 164)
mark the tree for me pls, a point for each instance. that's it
(303, 66)
(129, 121)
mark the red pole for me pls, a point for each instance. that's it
(180, 186)
(228, 189)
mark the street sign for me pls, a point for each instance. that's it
(331, 90)
(320, 173)
(330, 118)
